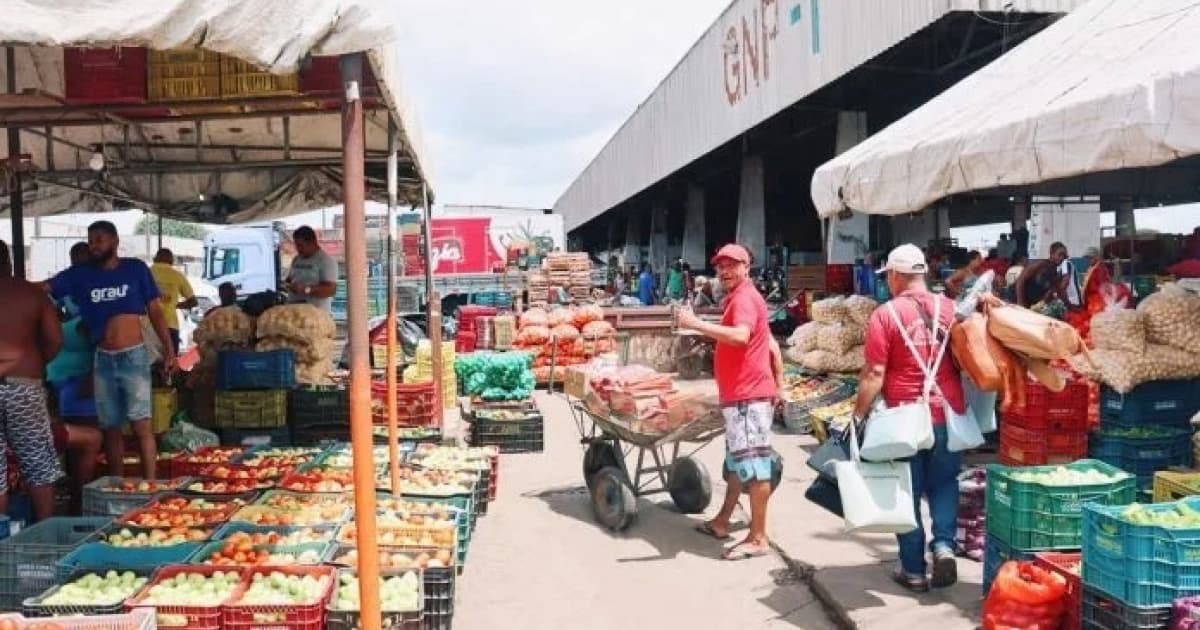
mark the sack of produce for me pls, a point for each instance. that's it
(297, 321)
(795, 355)
(969, 344)
(585, 315)
(313, 374)
(829, 311)
(1118, 328)
(1012, 374)
(817, 360)
(859, 309)
(1172, 318)
(534, 317)
(839, 338)
(1123, 370)
(1032, 334)
(560, 316)
(804, 338)
(225, 325)
(1049, 377)
(532, 335)
(1024, 595)
(597, 328)
(307, 352)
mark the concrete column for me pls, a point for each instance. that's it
(694, 237)
(1020, 212)
(658, 235)
(849, 236)
(752, 208)
(633, 239)
(851, 129)
(614, 243)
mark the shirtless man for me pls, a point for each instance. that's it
(112, 294)
(29, 338)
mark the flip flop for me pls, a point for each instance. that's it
(707, 530)
(737, 552)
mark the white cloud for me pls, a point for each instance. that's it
(516, 97)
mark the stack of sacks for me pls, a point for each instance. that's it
(833, 341)
(223, 328)
(645, 399)
(306, 330)
(568, 336)
(1158, 341)
(422, 370)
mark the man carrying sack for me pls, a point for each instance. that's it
(745, 364)
(897, 363)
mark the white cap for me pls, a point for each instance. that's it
(906, 259)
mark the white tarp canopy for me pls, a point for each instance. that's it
(1113, 86)
(248, 151)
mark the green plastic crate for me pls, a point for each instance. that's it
(1030, 516)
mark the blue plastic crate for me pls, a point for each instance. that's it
(237, 370)
(1156, 402)
(995, 554)
(72, 403)
(1143, 456)
(229, 529)
(98, 556)
(1141, 565)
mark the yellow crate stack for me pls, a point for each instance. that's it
(422, 370)
(240, 79)
(195, 74)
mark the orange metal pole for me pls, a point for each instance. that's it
(434, 325)
(393, 432)
(353, 198)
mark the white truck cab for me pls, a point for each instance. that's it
(246, 256)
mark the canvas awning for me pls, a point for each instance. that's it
(217, 161)
(1084, 107)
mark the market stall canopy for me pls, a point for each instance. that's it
(228, 150)
(1084, 107)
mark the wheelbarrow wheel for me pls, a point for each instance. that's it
(689, 485)
(599, 455)
(613, 501)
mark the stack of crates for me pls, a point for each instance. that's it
(318, 413)
(422, 370)
(1051, 428)
(1028, 512)
(1148, 429)
(1136, 565)
(29, 559)
(251, 401)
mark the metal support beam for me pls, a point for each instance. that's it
(192, 167)
(353, 200)
(16, 198)
(392, 384)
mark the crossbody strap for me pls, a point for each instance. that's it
(928, 368)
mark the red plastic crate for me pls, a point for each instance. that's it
(1022, 447)
(1060, 563)
(839, 279)
(192, 617)
(210, 472)
(303, 617)
(94, 76)
(1045, 410)
(207, 518)
(182, 467)
(494, 477)
(324, 76)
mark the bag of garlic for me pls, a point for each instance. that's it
(1118, 328)
(804, 338)
(859, 309)
(225, 325)
(839, 338)
(1172, 317)
(1123, 371)
(852, 360)
(301, 322)
(795, 355)
(307, 352)
(829, 311)
(817, 360)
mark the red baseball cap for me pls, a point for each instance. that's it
(733, 252)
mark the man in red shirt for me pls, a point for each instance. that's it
(893, 371)
(744, 364)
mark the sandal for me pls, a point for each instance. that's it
(914, 583)
(739, 552)
(707, 529)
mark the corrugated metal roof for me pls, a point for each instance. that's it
(758, 58)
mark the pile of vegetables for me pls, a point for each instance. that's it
(1178, 515)
(304, 329)
(1025, 595)
(1063, 476)
(564, 336)
(224, 328)
(833, 341)
(496, 377)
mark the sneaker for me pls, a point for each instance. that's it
(945, 569)
(914, 583)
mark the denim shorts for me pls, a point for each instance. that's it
(122, 386)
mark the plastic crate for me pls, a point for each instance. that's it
(393, 620)
(240, 79)
(247, 370)
(1141, 565)
(133, 620)
(995, 554)
(34, 606)
(520, 436)
(322, 549)
(260, 409)
(191, 617)
(320, 435)
(97, 501)
(98, 556)
(207, 518)
(1143, 456)
(28, 559)
(462, 531)
(1046, 410)
(1033, 517)
(314, 407)
(1068, 566)
(1024, 447)
(1172, 486)
(1106, 613)
(276, 516)
(190, 464)
(100, 76)
(308, 616)
(183, 75)
(280, 498)
(1156, 402)
(324, 532)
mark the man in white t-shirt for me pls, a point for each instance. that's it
(314, 274)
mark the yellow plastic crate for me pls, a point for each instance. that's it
(240, 80)
(163, 404)
(1172, 485)
(183, 75)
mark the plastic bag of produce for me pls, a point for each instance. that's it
(1118, 328)
(1123, 371)
(185, 436)
(315, 351)
(296, 321)
(559, 316)
(535, 317)
(852, 361)
(1032, 334)
(829, 311)
(839, 338)
(1024, 595)
(587, 314)
(225, 324)
(1012, 374)
(969, 343)
(859, 309)
(817, 360)
(804, 338)
(1172, 317)
(597, 328)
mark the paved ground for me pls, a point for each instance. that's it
(539, 560)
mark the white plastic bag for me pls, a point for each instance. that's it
(877, 498)
(981, 403)
(897, 432)
(962, 429)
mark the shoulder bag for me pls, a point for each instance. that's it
(877, 498)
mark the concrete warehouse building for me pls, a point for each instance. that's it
(726, 146)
